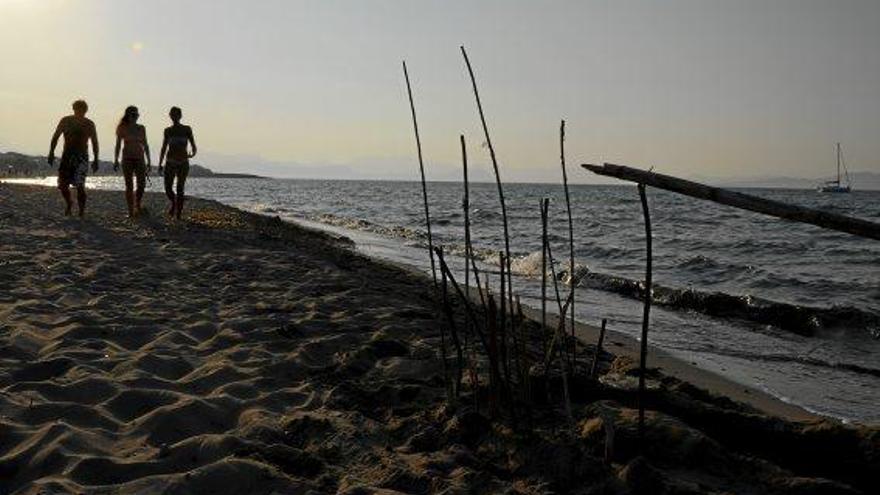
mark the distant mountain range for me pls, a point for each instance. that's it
(859, 180)
(19, 165)
(14, 164)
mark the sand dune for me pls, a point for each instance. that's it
(233, 353)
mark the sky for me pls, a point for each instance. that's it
(700, 89)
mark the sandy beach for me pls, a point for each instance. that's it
(236, 353)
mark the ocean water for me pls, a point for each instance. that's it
(788, 308)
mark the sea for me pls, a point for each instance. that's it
(788, 308)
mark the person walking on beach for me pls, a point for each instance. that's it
(175, 141)
(133, 139)
(74, 166)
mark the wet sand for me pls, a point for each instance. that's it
(234, 353)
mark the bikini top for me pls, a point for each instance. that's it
(132, 139)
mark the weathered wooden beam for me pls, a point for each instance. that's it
(832, 221)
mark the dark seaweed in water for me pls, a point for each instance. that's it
(802, 320)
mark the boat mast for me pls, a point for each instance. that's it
(845, 171)
(838, 164)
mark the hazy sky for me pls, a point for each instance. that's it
(697, 88)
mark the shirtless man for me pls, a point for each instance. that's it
(175, 143)
(74, 166)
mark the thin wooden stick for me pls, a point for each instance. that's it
(494, 167)
(456, 385)
(832, 221)
(477, 282)
(465, 205)
(492, 351)
(570, 236)
(467, 303)
(643, 357)
(502, 327)
(545, 203)
(522, 356)
(493, 361)
(595, 365)
(560, 332)
(412, 107)
(443, 353)
(553, 276)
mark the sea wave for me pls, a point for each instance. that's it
(800, 359)
(799, 319)
(367, 226)
(803, 320)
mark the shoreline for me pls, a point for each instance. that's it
(235, 352)
(627, 346)
(622, 343)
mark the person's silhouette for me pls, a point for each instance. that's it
(133, 138)
(74, 166)
(175, 142)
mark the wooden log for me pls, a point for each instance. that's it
(599, 342)
(832, 221)
(646, 313)
(412, 108)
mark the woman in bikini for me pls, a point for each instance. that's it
(175, 143)
(133, 139)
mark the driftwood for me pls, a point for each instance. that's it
(412, 108)
(832, 221)
(646, 313)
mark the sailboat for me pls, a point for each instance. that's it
(834, 186)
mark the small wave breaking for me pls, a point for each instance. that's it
(802, 320)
